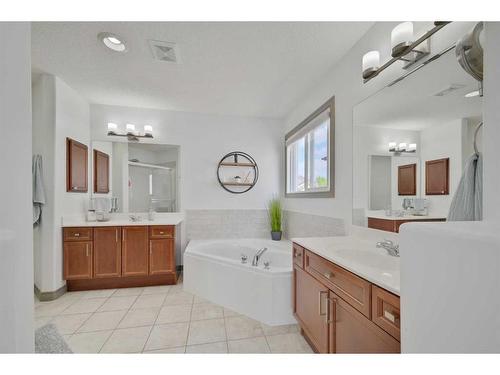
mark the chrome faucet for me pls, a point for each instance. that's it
(391, 248)
(256, 257)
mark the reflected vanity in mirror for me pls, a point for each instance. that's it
(411, 141)
(133, 178)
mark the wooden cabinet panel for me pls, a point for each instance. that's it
(76, 166)
(298, 255)
(161, 231)
(393, 225)
(352, 332)
(77, 234)
(352, 288)
(437, 176)
(386, 312)
(101, 172)
(135, 254)
(407, 179)
(107, 252)
(77, 260)
(311, 300)
(161, 256)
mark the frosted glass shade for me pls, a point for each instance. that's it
(392, 146)
(412, 147)
(371, 63)
(130, 128)
(401, 38)
(112, 126)
(402, 146)
(148, 129)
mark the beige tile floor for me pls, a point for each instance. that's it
(160, 319)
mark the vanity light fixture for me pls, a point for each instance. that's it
(113, 42)
(402, 147)
(404, 47)
(131, 134)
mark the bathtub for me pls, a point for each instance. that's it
(213, 270)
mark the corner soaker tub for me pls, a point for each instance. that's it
(213, 270)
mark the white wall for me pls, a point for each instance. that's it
(437, 142)
(491, 130)
(16, 241)
(344, 81)
(203, 141)
(59, 112)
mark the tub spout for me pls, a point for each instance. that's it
(256, 258)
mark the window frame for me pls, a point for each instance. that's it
(315, 192)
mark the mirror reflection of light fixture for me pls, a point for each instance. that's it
(402, 147)
(404, 47)
(371, 63)
(131, 133)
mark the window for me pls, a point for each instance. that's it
(310, 156)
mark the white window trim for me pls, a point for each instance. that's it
(303, 129)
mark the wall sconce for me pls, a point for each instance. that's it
(403, 48)
(131, 134)
(402, 147)
(371, 63)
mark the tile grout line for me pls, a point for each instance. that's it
(154, 323)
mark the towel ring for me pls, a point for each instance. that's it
(475, 137)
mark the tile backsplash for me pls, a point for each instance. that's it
(210, 224)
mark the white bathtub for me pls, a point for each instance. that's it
(213, 270)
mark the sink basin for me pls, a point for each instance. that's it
(373, 259)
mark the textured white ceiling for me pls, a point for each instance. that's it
(246, 68)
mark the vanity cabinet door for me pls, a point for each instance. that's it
(437, 177)
(352, 332)
(76, 166)
(135, 253)
(77, 260)
(311, 309)
(161, 256)
(101, 172)
(107, 252)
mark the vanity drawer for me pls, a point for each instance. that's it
(385, 311)
(77, 234)
(298, 255)
(161, 231)
(353, 289)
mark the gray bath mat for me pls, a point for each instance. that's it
(48, 340)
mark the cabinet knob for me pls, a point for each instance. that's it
(161, 232)
(77, 234)
(328, 275)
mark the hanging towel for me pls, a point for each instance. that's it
(467, 204)
(38, 189)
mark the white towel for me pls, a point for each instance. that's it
(467, 204)
(38, 188)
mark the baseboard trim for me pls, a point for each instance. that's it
(50, 296)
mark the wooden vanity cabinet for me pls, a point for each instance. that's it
(119, 256)
(339, 312)
(107, 252)
(77, 260)
(135, 254)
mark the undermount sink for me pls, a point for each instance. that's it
(367, 258)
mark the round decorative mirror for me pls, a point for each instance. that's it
(237, 172)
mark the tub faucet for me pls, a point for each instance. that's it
(256, 257)
(391, 248)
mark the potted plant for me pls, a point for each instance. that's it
(275, 215)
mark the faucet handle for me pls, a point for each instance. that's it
(266, 265)
(388, 242)
(244, 258)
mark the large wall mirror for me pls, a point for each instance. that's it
(142, 177)
(430, 117)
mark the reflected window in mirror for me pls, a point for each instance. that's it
(310, 156)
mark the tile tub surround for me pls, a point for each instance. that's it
(160, 319)
(213, 224)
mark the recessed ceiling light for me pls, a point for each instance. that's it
(113, 42)
(472, 94)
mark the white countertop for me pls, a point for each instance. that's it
(359, 255)
(377, 215)
(160, 218)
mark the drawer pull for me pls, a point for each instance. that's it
(390, 317)
(77, 234)
(87, 249)
(297, 255)
(161, 232)
(320, 303)
(328, 275)
(328, 312)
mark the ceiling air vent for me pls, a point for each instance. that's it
(164, 51)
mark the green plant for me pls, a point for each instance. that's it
(275, 214)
